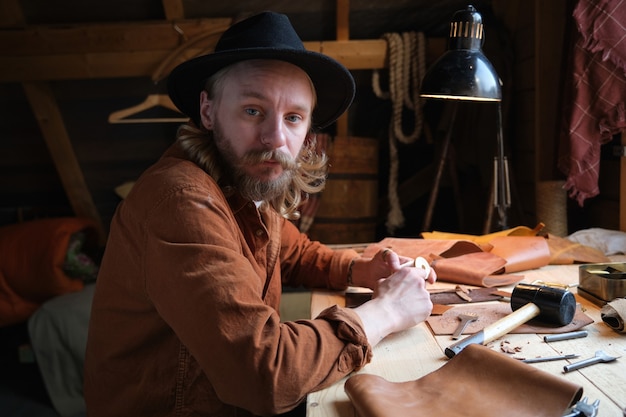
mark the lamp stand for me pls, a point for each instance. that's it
(445, 152)
(501, 187)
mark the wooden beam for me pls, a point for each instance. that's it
(343, 34)
(550, 24)
(354, 54)
(105, 38)
(11, 14)
(81, 66)
(343, 20)
(138, 49)
(622, 185)
(174, 9)
(57, 139)
(365, 54)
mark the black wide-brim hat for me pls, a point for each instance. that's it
(267, 35)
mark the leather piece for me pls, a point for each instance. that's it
(458, 261)
(482, 239)
(425, 248)
(613, 314)
(490, 260)
(478, 295)
(488, 314)
(521, 252)
(475, 382)
(482, 269)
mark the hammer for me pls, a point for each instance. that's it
(549, 304)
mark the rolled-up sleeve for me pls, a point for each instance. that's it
(311, 264)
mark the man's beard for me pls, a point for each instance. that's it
(249, 186)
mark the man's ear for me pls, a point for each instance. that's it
(205, 110)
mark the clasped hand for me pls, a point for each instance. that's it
(400, 299)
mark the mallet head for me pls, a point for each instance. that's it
(556, 305)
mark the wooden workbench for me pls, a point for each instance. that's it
(415, 352)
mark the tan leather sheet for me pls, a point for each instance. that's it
(466, 262)
(521, 252)
(488, 314)
(475, 382)
(491, 261)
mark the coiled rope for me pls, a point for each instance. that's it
(407, 67)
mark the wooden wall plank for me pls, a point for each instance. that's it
(11, 13)
(550, 21)
(110, 37)
(174, 9)
(365, 54)
(57, 139)
(622, 186)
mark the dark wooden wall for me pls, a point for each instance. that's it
(110, 154)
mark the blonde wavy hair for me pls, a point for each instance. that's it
(309, 177)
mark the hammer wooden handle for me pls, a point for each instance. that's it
(497, 329)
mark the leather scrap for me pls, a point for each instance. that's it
(490, 263)
(447, 322)
(475, 382)
(521, 252)
(613, 314)
(476, 295)
(481, 269)
(444, 297)
(484, 239)
(460, 261)
(425, 248)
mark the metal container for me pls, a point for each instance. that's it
(602, 283)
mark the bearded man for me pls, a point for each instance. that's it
(185, 318)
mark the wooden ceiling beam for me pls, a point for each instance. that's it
(53, 129)
(135, 49)
(11, 14)
(174, 9)
(105, 38)
(364, 54)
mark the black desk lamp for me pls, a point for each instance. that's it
(463, 72)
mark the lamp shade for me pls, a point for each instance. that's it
(463, 72)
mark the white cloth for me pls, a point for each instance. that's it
(58, 334)
(609, 242)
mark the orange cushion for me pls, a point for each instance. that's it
(32, 255)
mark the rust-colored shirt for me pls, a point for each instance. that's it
(185, 315)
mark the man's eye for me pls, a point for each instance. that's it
(294, 118)
(252, 112)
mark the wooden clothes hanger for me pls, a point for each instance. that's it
(151, 101)
(163, 100)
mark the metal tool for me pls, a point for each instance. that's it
(550, 358)
(565, 336)
(599, 357)
(553, 305)
(583, 409)
(466, 318)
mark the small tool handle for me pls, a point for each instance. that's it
(496, 330)
(582, 364)
(461, 327)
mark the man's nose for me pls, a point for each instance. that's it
(273, 133)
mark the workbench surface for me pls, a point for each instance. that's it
(416, 352)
